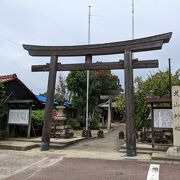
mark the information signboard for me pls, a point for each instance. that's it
(163, 118)
(18, 116)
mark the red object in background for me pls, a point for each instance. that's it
(54, 114)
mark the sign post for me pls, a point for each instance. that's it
(20, 117)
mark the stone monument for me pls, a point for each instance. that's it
(175, 150)
(60, 126)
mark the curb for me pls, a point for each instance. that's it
(157, 156)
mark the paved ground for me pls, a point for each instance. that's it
(91, 169)
(88, 159)
(12, 162)
(111, 142)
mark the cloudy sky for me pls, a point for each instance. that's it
(65, 22)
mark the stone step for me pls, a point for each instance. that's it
(139, 151)
(17, 145)
(162, 156)
(148, 147)
(24, 146)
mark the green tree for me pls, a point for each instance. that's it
(157, 83)
(60, 91)
(37, 121)
(120, 103)
(100, 83)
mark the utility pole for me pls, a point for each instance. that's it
(87, 132)
(170, 82)
(87, 91)
(89, 25)
(132, 19)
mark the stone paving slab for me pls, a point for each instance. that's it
(17, 145)
(53, 140)
(12, 163)
(143, 146)
(24, 144)
(163, 156)
(156, 154)
(139, 151)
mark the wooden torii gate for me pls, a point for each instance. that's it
(128, 64)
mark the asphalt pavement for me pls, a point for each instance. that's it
(95, 169)
(110, 142)
(95, 159)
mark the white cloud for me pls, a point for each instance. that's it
(65, 22)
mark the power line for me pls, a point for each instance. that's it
(19, 67)
(12, 42)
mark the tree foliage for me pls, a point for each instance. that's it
(157, 85)
(37, 120)
(60, 92)
(120, 103)
(100, 83)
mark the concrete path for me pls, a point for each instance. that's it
(110, 143)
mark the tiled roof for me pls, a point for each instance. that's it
(7, 78)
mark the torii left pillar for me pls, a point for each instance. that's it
(49, 104)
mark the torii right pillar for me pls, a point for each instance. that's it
(129, 104)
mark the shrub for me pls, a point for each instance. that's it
(82, 122)
(94, 123)
(75, 124)
(37, 121)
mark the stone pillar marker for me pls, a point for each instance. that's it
(176, 115)
(175, 150)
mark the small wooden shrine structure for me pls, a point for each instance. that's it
(19, 101)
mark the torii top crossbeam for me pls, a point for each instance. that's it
(137, 45)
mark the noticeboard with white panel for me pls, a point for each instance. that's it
(18, 116)
(163, 118)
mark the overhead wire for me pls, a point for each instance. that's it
(17, 65)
